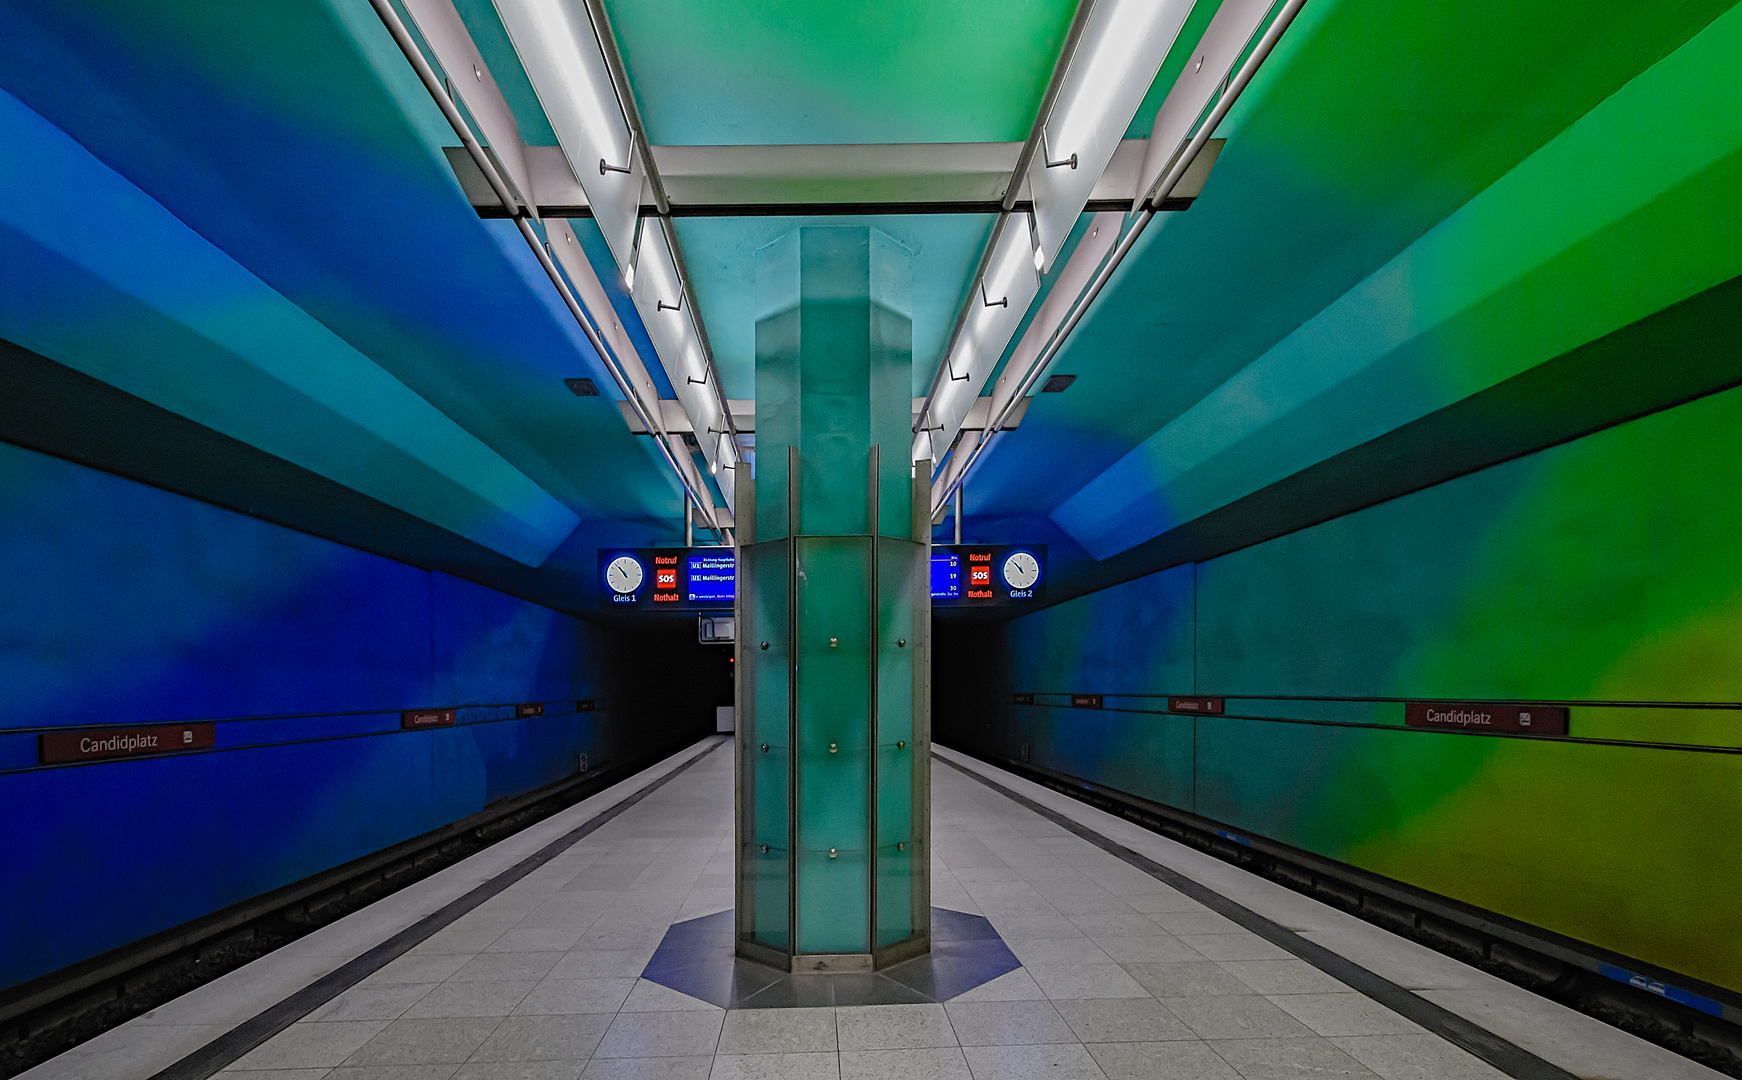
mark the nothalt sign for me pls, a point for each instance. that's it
(1479, 717)
(59, 747)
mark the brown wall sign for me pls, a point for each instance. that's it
(1085, 701)
(422, 718)
(1210, 706)
(534, 709)
(1483, 717)
(97, 744)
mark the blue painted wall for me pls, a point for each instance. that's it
(121, 603)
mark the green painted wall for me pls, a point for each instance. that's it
(1603, 570)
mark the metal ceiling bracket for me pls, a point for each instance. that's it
(1046, 155)
(1004, 303)
(605, 167)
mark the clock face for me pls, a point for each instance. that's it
(1021, 570)
(624, 575)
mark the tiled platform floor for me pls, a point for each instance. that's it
(1123, 978)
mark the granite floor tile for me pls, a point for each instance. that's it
(449, 1040)
(1290, 1059)
(933, 1063)
(554, 996)
(1122, 1020)
(1186, 979)
(1016, 985)
(894, 1027)
(1067, 1061)
(693, 1067)
(1234, 947)
(305, 1046)
(507, 967)
(662, 1034)
(1419, 1056)
(520, 1070)
(387, 1072)
(470, 999)
(1161, 1061)
(809, 1066)
(1247, 1017)
(371, 1001)
(1007, 1023)
(544, 1038)
(1344, 1014)
(1059, 981)
(601, 964)
(1282, 977)
(1156, 948)
(779, 1031)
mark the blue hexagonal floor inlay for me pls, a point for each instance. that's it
(696, 958)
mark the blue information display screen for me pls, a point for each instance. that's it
(712, 578)
(670, 579)
(946, 574)
(987, 575)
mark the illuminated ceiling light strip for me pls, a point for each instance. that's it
(562, 51)
(1180, 162)
(671, 324)
(656, 184)
(570, 55)
(1006, 291)
(433, 84)
(661, 203)
(1122, 48)
(925, 424)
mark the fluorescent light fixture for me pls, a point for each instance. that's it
(994, 312)
(560, 50)
(659, 297)
(1121, 50)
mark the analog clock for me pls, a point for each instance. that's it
(624, 575)
(1021, 570)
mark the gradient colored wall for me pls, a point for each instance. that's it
(1603, 570)
(126, 604)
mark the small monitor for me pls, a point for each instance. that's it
(946, 574)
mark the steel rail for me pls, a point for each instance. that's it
(433, 83)
(1110, 263)
(1061, 68)
(638, 133)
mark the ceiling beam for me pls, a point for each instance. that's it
(764, 181)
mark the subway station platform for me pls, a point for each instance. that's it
(1140, 959)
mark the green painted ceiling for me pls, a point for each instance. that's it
(1371, 123)
(803, 71)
